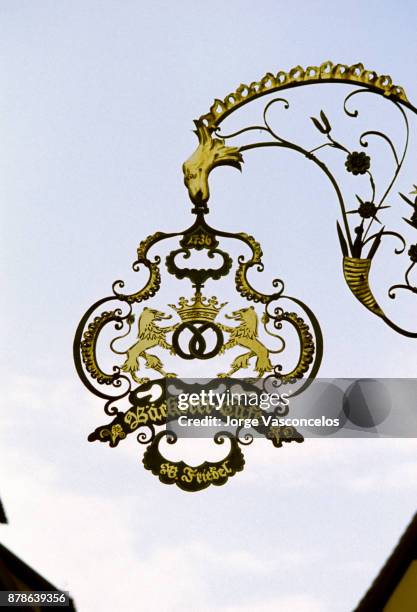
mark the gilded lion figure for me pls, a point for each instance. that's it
(149, 335)
(246, 335)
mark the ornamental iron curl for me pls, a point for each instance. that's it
(203, 328)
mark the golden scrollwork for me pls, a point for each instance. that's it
(147, 243)
(242, 284)
(241, 281)
(307, 346)
(88, 347)
(154, 280)
(327, 72)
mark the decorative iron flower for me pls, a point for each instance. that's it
(412, 253)
(358, 162)
(367, 210)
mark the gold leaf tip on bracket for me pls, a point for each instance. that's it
(327, 71)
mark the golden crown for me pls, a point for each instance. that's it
(198, 308)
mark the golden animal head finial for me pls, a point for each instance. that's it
(211, 152)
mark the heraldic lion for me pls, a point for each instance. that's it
(149, 335)
(246, 335)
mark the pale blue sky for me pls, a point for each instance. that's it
(96, 110)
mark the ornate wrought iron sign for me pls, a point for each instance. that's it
(201, 326)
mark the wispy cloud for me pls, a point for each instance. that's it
(93, 521)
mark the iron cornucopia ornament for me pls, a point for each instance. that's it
(201, 327)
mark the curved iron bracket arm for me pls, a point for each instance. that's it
(212, 151)
(201, 328)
